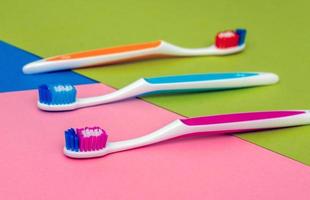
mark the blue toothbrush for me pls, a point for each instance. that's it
(63, 97)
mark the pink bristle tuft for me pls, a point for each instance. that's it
(91, 138)
(81, 139)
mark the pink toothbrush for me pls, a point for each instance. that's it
(92, 142)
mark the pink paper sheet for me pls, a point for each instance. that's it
(32, 165)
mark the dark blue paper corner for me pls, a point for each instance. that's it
(12, 60)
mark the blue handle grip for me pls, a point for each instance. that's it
(197, 77)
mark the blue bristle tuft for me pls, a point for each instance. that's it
(57, 94)
(242, 35)
(76, 143)
(44, 94)
(67, 140)
(71, 140)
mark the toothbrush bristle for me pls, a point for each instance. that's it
(85, 139)
(230, 38)
(242, 35)
(57, 94)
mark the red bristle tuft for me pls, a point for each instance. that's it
(226, 39)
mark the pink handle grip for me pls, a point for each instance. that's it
(238, 117)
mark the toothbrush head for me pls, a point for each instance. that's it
(57, 97)
(229, 39)
(85, 142)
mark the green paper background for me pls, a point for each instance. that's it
(278, 41)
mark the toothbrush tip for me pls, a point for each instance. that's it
(85, 139)
(27, 68)
(58, 94)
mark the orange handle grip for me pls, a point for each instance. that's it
(105, 51)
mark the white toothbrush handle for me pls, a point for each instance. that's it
(183, 83)
(218, 125)
(121, 54)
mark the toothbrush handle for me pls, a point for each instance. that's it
(245, 122)
(219, 125)
(183, 83)
(213, 81)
